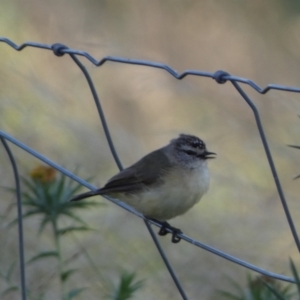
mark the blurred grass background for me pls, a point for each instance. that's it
(45, 102)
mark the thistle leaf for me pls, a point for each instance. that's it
(65, 275)
(43, 255)
(73, 293)
(10, 289)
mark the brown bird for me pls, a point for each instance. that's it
(163, 184)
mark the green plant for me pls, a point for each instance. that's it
(280, 296)
(47, 194)
(7, 278)
(258, 288)
(126, 287)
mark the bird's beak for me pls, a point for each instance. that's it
(207, 155)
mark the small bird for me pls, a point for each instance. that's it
(163, 184)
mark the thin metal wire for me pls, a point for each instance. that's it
(100, 111)
(20, 219)
(271, 163)
(133, 211)
(166, 261)
(119, 164)
(220, 77)
(151, 64)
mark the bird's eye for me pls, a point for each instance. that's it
(190, 152)
(198, 144)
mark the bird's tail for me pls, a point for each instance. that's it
(85, 195)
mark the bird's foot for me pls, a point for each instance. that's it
(175, 231)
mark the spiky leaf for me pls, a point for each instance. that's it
(126, 287)
(72, 229)
(9, 290)
(66, 274)
(73, 293)
(42, 255)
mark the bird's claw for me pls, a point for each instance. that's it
(175, 231)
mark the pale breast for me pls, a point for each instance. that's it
(182, 188)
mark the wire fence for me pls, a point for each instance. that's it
(220, 77)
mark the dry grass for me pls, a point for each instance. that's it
(45, 103)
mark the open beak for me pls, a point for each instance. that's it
(208, 155)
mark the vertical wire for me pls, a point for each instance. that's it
(184, 237)
(271, 163)
(20, 218)
(119, 164)
(165, 259)
(100, 111)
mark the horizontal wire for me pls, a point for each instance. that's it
(158, 65)
(220, 77)
(119, 164)
(133, 211)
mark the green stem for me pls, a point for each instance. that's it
(59, 256)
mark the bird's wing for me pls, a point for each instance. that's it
(144, 173)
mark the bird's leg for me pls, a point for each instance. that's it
(163, 230)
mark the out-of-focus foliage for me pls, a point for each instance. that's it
(265, 288)
(126, 288)
(45, 102)
(258, 288)
(48, 194)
